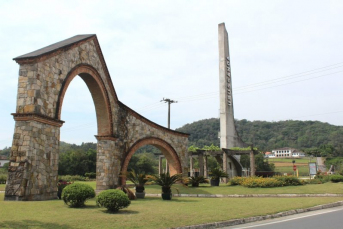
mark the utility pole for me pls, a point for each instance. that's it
(169, 101)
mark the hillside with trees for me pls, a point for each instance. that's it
(314, 137)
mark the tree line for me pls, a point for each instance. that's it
(313, 137)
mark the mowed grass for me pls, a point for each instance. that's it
(303, 170)
(290, 160)
(285, 165)
(145, 213)
(333, 188)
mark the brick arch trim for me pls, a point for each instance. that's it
(88, 70)
(157, 142)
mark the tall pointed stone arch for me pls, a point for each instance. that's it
(44, 76)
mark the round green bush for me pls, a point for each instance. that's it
(75, 195)
(336, 178)
(288, 180)
(113, 200)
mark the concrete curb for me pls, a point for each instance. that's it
(249, 195)
(234, 222)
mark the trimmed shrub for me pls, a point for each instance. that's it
(336, 178)
(236, 181)
(3, 178)
(288, 180)
(72, 178)
(75, 195)
(322, 178)
(312, 181)
(113, 200)
(90, 175)
(260, 182)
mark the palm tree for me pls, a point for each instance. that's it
(166, 181)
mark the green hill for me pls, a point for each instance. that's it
(270, 135)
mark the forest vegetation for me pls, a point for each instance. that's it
(313, 137)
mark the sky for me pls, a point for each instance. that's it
(286, 58)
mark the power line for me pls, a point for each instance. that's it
(242, 92)
(301, 74)
(243, 89)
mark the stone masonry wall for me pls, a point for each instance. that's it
(138, 128)
(33, 166)
(107, 165)
(40, 83)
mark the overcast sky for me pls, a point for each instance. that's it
(286, 58)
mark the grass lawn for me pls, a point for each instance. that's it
(303, 170)
(145, 213)
(285, 165)
(297, 160)
(334, 188)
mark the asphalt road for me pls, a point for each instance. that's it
(327, 218)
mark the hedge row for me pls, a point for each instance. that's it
(261, 182)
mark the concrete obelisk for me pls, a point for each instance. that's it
(228, 135)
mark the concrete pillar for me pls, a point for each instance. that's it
(205, 166)
(225, 166)
(160, 167)
(201, 164)
(167, 166)
(191, 166)
(252, 164)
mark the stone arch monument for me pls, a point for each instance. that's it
(44, 77)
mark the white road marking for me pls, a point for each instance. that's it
(285, 220)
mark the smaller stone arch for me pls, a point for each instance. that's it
(167, 150)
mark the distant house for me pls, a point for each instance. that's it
(3, 160)
(286, 152)
(267, 154)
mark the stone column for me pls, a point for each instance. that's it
(252, 164)
(201, 164)
(205, 166)
(33, 168)
(160, 167)
(167, 166)
(191, 166)
(107, 165)
(225, 169)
